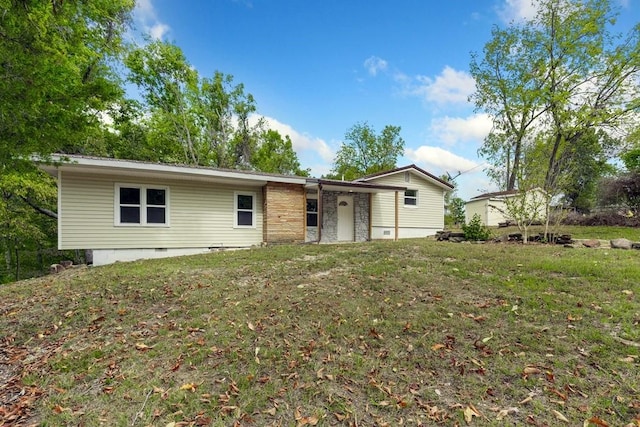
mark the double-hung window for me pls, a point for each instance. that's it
(245, 209)
(312, 212)
(411, 198)
(141, 205)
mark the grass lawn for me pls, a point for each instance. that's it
(415, 332)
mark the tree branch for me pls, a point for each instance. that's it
(40, 209)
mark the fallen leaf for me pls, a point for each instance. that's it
(340, 417)
(526, 400)
(271, 412)
(504, 412)
(188, 386)
(559, 416)
(470, 412)
(59, 409)
(437, 347)
(251, 326)
(142, 347)
(597, 421)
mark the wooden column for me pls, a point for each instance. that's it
(319, 212)
(370, 216)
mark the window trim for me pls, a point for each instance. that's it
(312, 213)
(236, 210)
(143, 205)
(406, 205)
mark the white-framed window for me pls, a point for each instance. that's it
(312, 212)
(244, 207)
(411, 198)
(141, 205)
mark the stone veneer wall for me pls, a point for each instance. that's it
(284, 213)
(330, 216)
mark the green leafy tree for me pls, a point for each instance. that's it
(208, 118)
(276, 155)
(552, 80)
(57, 79)
(631, 159)
(457, 210)
(590, 166)
(364, 152)
(475, 230)
(56, 74)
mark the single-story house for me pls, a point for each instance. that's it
(492, 207)
(125, 210)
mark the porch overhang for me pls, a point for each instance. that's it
(350, 186)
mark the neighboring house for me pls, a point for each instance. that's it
(492, 207)
(125, 210)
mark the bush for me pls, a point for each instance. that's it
(612, 218)
(475, 230)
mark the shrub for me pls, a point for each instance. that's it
(475, 230)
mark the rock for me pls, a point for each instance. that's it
(55, 268)
(515, 237)
(564, 239)
(66, 263)
(620, 243)
(442, 235)
(502, 239)
(591, 243)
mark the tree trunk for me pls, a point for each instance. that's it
(17, 258)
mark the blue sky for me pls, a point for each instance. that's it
(317, 67)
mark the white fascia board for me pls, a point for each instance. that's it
(417, 172)
(115, 166)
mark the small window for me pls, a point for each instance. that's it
(140, 205)
(411, 198)
(312, 212)
(245, 210)
(407, 176)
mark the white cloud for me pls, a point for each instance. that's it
(440, 159)
(373, 64)
(145, 15)
(452, 130)
(301, 141)
(517, 10)
(451, 86)
(158, 31)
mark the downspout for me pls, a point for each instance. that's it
(397, 211)
(319, 212)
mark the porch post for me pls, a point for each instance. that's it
(319, 212)
(397, 210)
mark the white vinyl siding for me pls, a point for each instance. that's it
(428, 213)
(202, 215)
(496, 212)
(476, 207)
